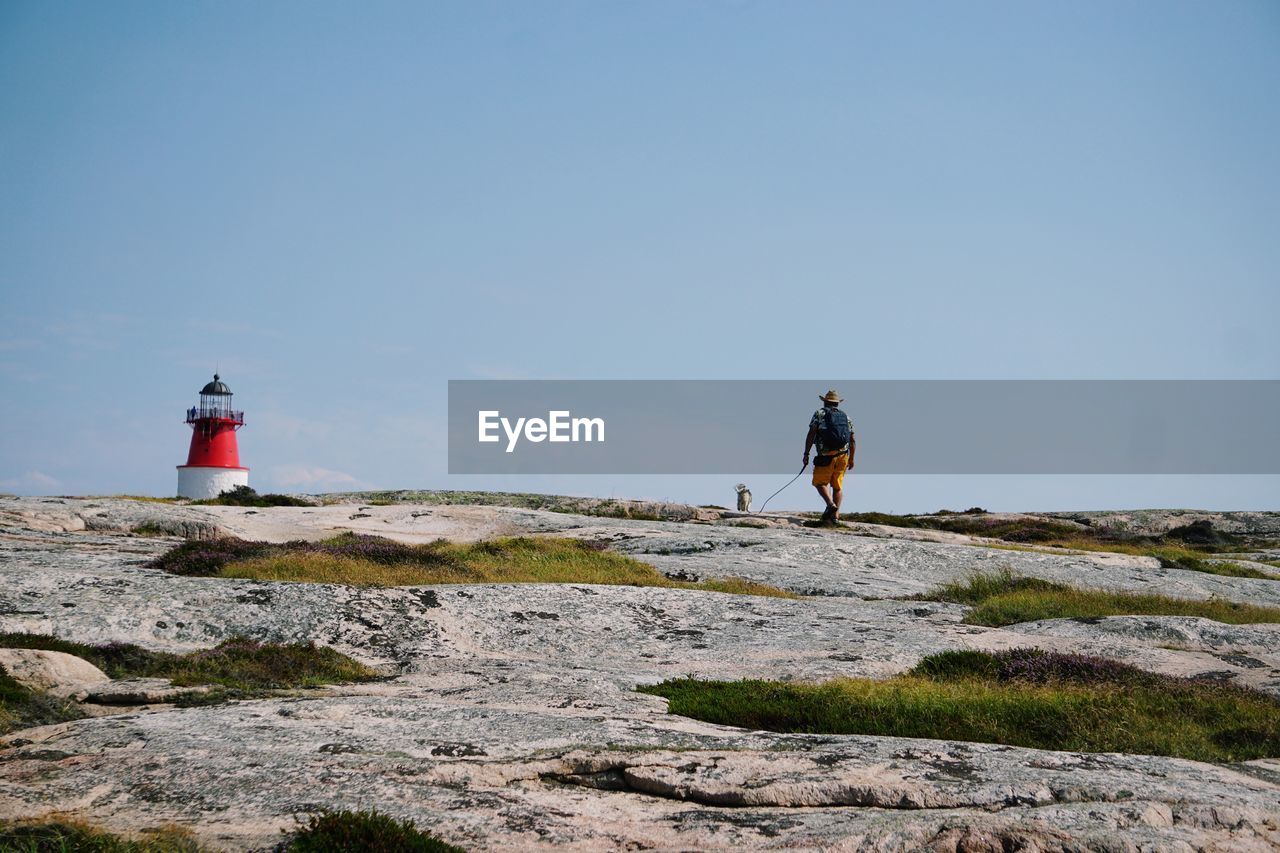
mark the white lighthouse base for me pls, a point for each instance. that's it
(199, 482)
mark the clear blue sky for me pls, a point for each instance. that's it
(344, 205)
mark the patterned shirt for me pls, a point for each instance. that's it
(817, 420)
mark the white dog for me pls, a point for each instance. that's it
(744, 498)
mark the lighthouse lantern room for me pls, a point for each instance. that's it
(213, 463)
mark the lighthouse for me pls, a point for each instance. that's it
(213, 463)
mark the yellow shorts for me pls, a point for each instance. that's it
(831, 474)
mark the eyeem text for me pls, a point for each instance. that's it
(559, 426)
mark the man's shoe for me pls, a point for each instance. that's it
(829, 514)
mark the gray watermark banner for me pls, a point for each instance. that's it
(901, 426)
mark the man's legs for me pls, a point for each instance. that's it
(829, 513)
(822, 481)
(840, 465)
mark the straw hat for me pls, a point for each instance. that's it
(831, 397)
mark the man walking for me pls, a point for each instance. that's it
(830, 430)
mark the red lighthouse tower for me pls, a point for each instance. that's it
(213, 463)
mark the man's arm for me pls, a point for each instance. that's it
(809, 440)
(853, 446)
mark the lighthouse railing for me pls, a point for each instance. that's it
(199, 413)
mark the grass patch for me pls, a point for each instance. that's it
(237, 664)
(1005, 599)
(72, 837)
(370, 831)
(247, 496)
(1020, 697)
(21, 708)
(357, 559)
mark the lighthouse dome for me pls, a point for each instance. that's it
(217, 386)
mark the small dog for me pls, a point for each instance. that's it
(744, 498)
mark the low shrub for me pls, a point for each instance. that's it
(202, 558)
(247, 496)
(249, 665)
(1201, 533)
(367, 831)
(1035, 666)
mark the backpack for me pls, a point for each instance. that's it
(834, 431)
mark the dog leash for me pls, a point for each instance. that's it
(780, 491)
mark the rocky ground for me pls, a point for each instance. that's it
(509, 718)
